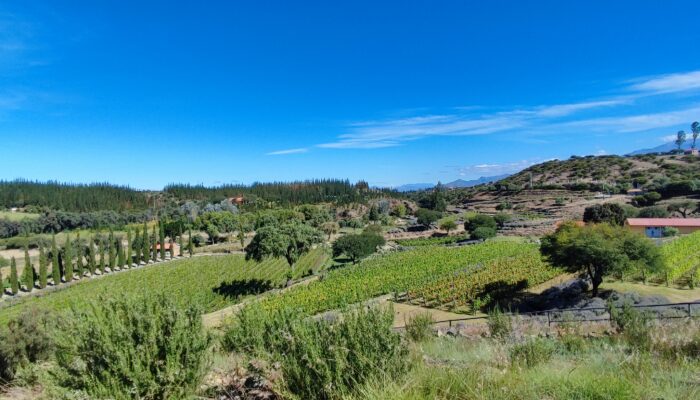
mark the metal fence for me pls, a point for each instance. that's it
(596, 314)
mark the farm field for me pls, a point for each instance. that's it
(401, 272)
(212, 282)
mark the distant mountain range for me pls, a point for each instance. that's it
(664, 148)
(459, 183)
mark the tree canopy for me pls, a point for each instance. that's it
(611, 213)
(357, 247)
(289, 241)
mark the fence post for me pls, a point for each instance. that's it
(549, 321)
(450, 322)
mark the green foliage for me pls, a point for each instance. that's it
(125, 348)
(611, 213)
(431, 241)
(55, 269)
(681, 256)
(652, 212)
(14, 279)
(319, 359)
(600, 250)
(633, 324)
(448, 224)
(68, 259)
(647, 199)
(28, 276)
(479, 221)
(670, 231)
(532, 352)
(483, 233)
(501, 219)
(427, 217)
(27, 339)
(419, 327)
(289, 241)
(500, 324)
(357, 247)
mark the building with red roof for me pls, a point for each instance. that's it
(654, 227)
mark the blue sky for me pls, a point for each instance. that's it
(391, 92)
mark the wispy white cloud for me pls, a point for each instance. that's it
(288, 151)
(639, 122)
(669, 83)
(478, 170)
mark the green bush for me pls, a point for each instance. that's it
(138, 347)
(26, 340)
(499, 323)
(321, 359)
(633, 324)
(419, 327)
(532, 352)
(483, 233)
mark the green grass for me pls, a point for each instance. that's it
(192, 280)
(17, 216)
(459, 368)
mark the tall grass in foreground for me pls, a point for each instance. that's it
(321, 359)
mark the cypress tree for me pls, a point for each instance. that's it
(55, 269)
(28, 273)
(92, 264)
(14, 282)
(112, 251)
(154, 239)
(43, 270)
(137, 247)
(121, 256)
(182, 243)
(146, 244)
(68, 259)
(128, 249)
(190, 246)
(161, 239)
(101, 250)
(2, 284)
(79, 261)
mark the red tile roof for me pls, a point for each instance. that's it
(692, 222)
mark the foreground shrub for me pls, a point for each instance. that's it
(25, 341)
(634, 326)
(321, 359)
(419, 327)
(499, 323)
(133, 348)
(533, 352)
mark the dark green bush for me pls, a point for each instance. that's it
(633, 324)
(483, 233)
(133, 348)
(26, 340)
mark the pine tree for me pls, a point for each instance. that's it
(154, 238)
(145, 245)
(128, 249)
(14, 282)
(92, 264)
(190, 246)
(161, 239)
(28, 273)
(55, 269)
(79, 261)
(43, 270)
(68, 259)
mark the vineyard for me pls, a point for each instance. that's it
(682, 256)
(416, 270)
(213, 282)
(430, 241)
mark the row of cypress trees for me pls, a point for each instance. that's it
(68, 263)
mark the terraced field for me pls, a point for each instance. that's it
(213, 282)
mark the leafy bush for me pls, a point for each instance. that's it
(139, 347)
(357, 246)
(419, 327)
(670, 231)
(427, 217)
(633, 324)
(653, 212)
(480, 220)
(611, 213)
(26, 340)
(532, 352)
(483, 233)
(321, 359)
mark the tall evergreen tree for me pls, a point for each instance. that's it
(182, 243)
(112, 251)
(2, 285)
(92, 264)
(79, 257)
(137, 247)
(121, 256)
(28, 273)
(101, 250)
(145, 244)
(55, 269)
(172, 248)
(154, 239)
(43, 269)
(161, 239)
(14, 282)
(128, 249)
(190, 246)
(68, 259)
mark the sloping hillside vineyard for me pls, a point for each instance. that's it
(682, 256)
(409, 271)
(212, 282)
